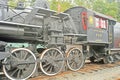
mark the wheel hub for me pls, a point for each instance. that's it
(22, 66)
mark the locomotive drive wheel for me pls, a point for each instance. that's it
(22, 71)
(52, 61)
(75, 59)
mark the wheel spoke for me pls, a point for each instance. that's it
(55, 54)
(77, 53)
(48, 54)
(18, 73)
(25, 56)
(52, 53)
(21, 54)
(47, 68)
(79, 63)
(50, 69)
(58, 56)
(75, 65)
(14, 71)
(29, 58)
(15, 58)
(56, 68)
(16, 54)
(46, 65)
(72, 63)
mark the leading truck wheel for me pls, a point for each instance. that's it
(75, 59)
(52, 61)
(23, 71)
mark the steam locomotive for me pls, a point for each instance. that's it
(42, 40)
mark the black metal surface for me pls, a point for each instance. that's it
(2, 46)
(97, 35)
(0, 65)
(4, 55)
(76, 14)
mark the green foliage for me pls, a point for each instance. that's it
(32, 2)
(63, 5)
(118, 14)
(12, 3)
(53, 5)
(105, 7)
(84, 3)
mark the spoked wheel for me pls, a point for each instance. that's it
(52, 61)
(23, 71)
(75, 59)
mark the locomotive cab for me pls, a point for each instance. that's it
(93, 29)
(90, 23)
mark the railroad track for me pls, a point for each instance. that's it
(91, 71)
(86, 73)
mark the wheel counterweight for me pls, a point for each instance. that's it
(22, 71)
(75, 59)
(52, 61)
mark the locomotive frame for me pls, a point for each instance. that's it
(54, 41)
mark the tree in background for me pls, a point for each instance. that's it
(63, 5)
(118, 15)
(107, 7)
(85, 3)
(12, 3)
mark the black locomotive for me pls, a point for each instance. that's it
(42, 40)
